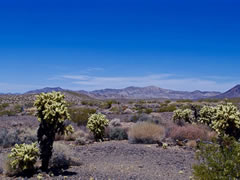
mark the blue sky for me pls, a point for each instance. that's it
(75, 44)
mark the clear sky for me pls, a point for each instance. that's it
(95, 44)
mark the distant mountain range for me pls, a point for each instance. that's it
(45, 90)
(232, 93)
(149, 92)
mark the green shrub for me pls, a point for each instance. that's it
(23, 157)
(52, 112)
(167, 108)
(3, 106)
(118, 134)
(218, 162)
(148, 111)
(224, 119)
(81, 115)
(184, 101)
(97, 124)
(182, 116)
(107, 104)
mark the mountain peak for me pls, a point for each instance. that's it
(231, 93)
(45, 90)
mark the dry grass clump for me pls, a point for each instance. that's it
(80, 137)
(190, 132)
(146, 133)
(62, 157)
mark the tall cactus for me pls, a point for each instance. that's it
(52, 112)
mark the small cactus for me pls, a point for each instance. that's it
(24, 156)
(165, 146)
(96, 124)
(181, 116)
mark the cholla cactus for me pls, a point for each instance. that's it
(52, 112)
(181, 116)
(224, 119)
(96, 124)
(206, 114)
(24, 156)
(68, 130)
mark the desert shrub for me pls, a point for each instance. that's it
(182, 116)
(148, 111)
(29, 104)
(224, 119)
(3, 106)
(52, 113)
(167, 101)
(218, 162)
(18, 108)
(7, 113)
(184, 101)
(167, 108)
(134, 118)
(74, 136)
(23, 157)
(144, 118)
(190, 132)
(118, 134)
(146, 133)
(81, 115)
(107, 104)
(84, 102)
(97, 124)
(60, 159)
(81, 141)
(209, 100)
(8, 138)
(115, 123)
(115, 110)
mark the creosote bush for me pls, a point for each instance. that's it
(145, 133)
(224, 119)
(52, 112)
(23, 157)
(81, 115)
(118, 133)
(218, 161)
(97, 124)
